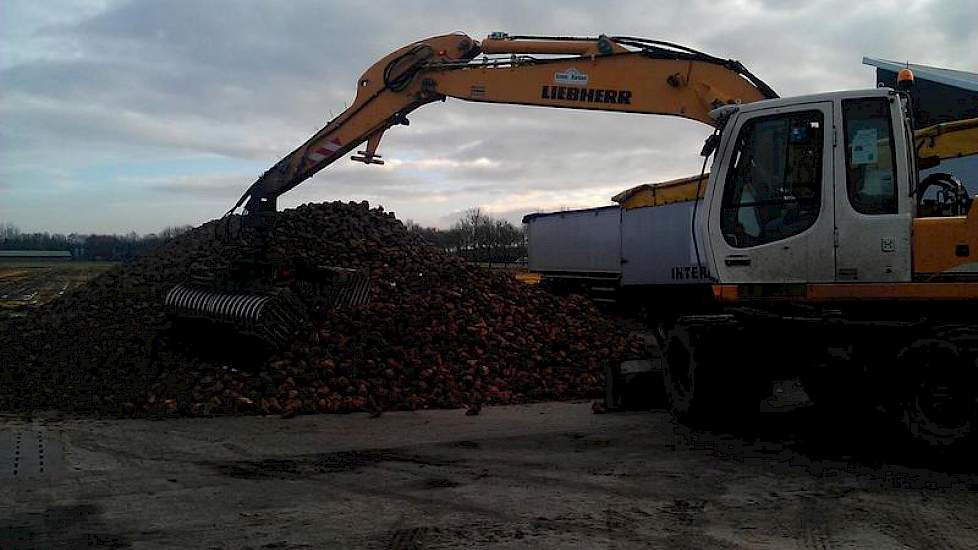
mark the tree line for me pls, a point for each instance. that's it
(92, 247)
(477, 237)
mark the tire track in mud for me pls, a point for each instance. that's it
(817, 524)
(674, 525)
(964, 522)
(409, 539)
(906, 523)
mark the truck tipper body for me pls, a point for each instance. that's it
(644, 240)
(575, 243)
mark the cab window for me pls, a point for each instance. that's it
(773, 188)
(870, 156)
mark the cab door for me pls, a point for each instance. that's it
(872, 203)
(771, 215)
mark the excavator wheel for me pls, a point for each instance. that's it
(934, 395)
(706, 385)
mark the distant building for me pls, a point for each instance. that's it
(34, 255)
(939, 95)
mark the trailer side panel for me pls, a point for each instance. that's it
(575, 241)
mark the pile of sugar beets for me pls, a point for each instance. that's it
(437, 333)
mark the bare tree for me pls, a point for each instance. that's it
(172, 231)
(477, 237)
(8, 231)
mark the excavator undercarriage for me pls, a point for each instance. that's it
(911, 374)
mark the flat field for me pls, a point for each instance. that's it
(25, 285)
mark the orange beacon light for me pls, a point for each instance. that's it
(905, 79)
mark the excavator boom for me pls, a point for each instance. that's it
(606, 73)
(948, 140)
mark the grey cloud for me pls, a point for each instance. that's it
(228, 188)
(249, 80)
(957, 18)
(47, 123)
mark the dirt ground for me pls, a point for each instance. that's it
(534, 476)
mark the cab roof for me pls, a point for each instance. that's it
(727, 110)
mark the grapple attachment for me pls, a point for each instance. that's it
(274, 313)
(334, 286)
(271, 318)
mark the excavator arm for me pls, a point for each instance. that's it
(948, 140)
(606, 73)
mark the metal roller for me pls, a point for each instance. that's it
(273, 315)
(338, 287)
(271, 318)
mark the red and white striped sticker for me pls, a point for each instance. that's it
(323, 150)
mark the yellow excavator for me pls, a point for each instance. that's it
(807, 255)
(948, 140)
(620, 74)
(260, 296)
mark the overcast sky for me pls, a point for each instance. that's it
(135, 115)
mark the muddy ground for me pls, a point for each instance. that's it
(26, 285)
(535, 476)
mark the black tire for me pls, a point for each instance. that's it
(933, 397)
(705, 383)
